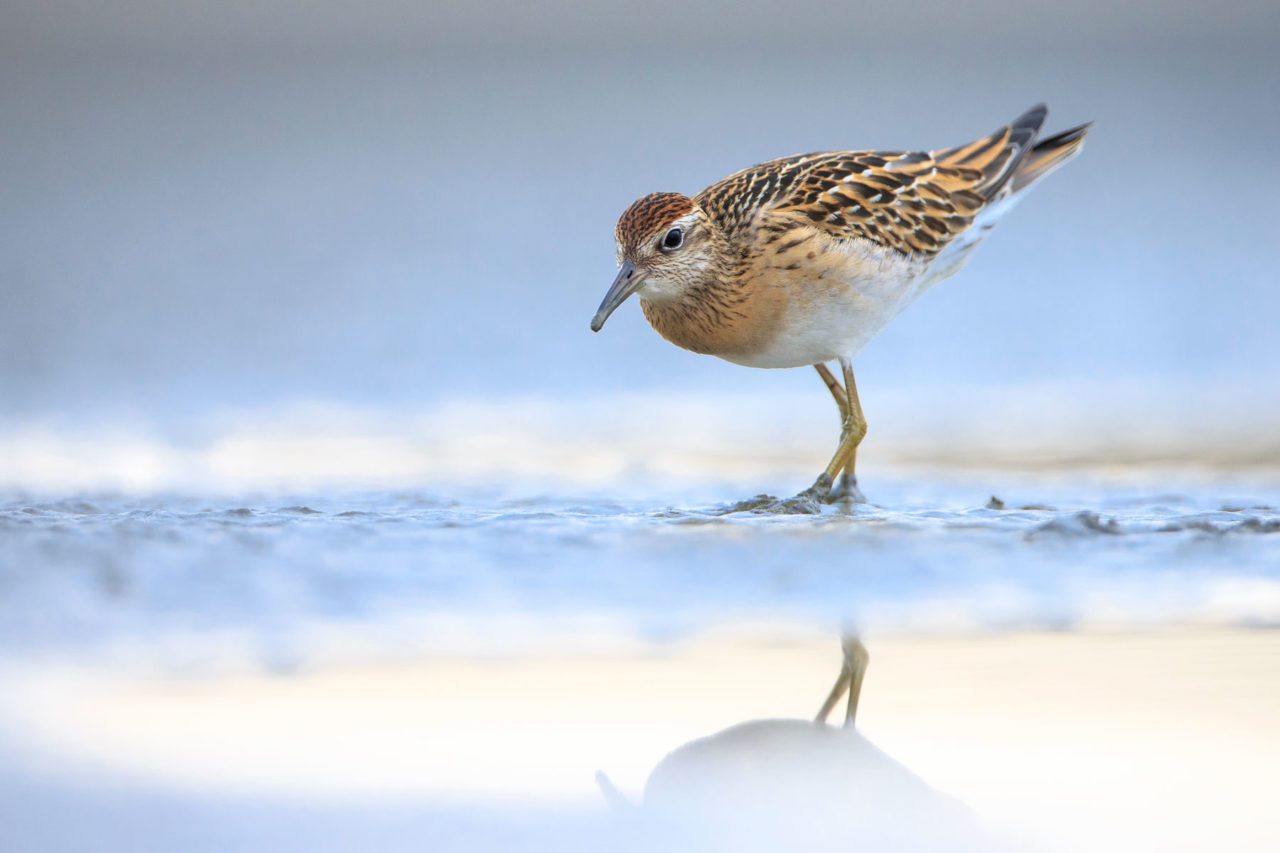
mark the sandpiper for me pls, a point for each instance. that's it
(802, 260)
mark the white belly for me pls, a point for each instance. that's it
(836, 315)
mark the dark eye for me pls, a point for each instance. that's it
(673, 240)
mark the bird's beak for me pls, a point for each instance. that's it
(623, 286)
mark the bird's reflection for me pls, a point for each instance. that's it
(777, 784)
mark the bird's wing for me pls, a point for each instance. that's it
(914, 202)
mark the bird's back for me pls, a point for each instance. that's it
(911, 202)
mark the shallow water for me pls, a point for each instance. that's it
(187, 580)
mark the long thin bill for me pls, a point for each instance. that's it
(623, 286)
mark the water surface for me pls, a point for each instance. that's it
(287, 578)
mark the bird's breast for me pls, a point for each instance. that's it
(729, 319)
(807, 301)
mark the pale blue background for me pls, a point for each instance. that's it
(231, 204)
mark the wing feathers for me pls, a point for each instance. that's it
(915, 202)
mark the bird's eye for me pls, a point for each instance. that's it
(674, 239)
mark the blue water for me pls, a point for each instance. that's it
(282, 580)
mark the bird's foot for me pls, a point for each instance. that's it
(847, 490)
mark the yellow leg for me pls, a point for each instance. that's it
(852, 671)
(856, 424)
(853, 426)
(836, 389)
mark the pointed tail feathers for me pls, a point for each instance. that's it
(999, 155)
(1047, 155)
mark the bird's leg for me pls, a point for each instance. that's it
(838, 690)
(855, 425)
(836, 389)
(857, 658)
(821, 488)
(852, 671)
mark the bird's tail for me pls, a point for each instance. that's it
(1012, 158)
(1048, 155)
(998, 156)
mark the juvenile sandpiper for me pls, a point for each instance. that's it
(802, 260)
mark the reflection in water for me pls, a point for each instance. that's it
(775, 784)
(1064, 741)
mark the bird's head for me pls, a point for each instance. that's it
(666, 248)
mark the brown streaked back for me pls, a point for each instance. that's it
(914, 202)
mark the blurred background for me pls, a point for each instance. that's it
(217, 215)
(309, 461)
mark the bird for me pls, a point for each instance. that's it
(800, 261)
